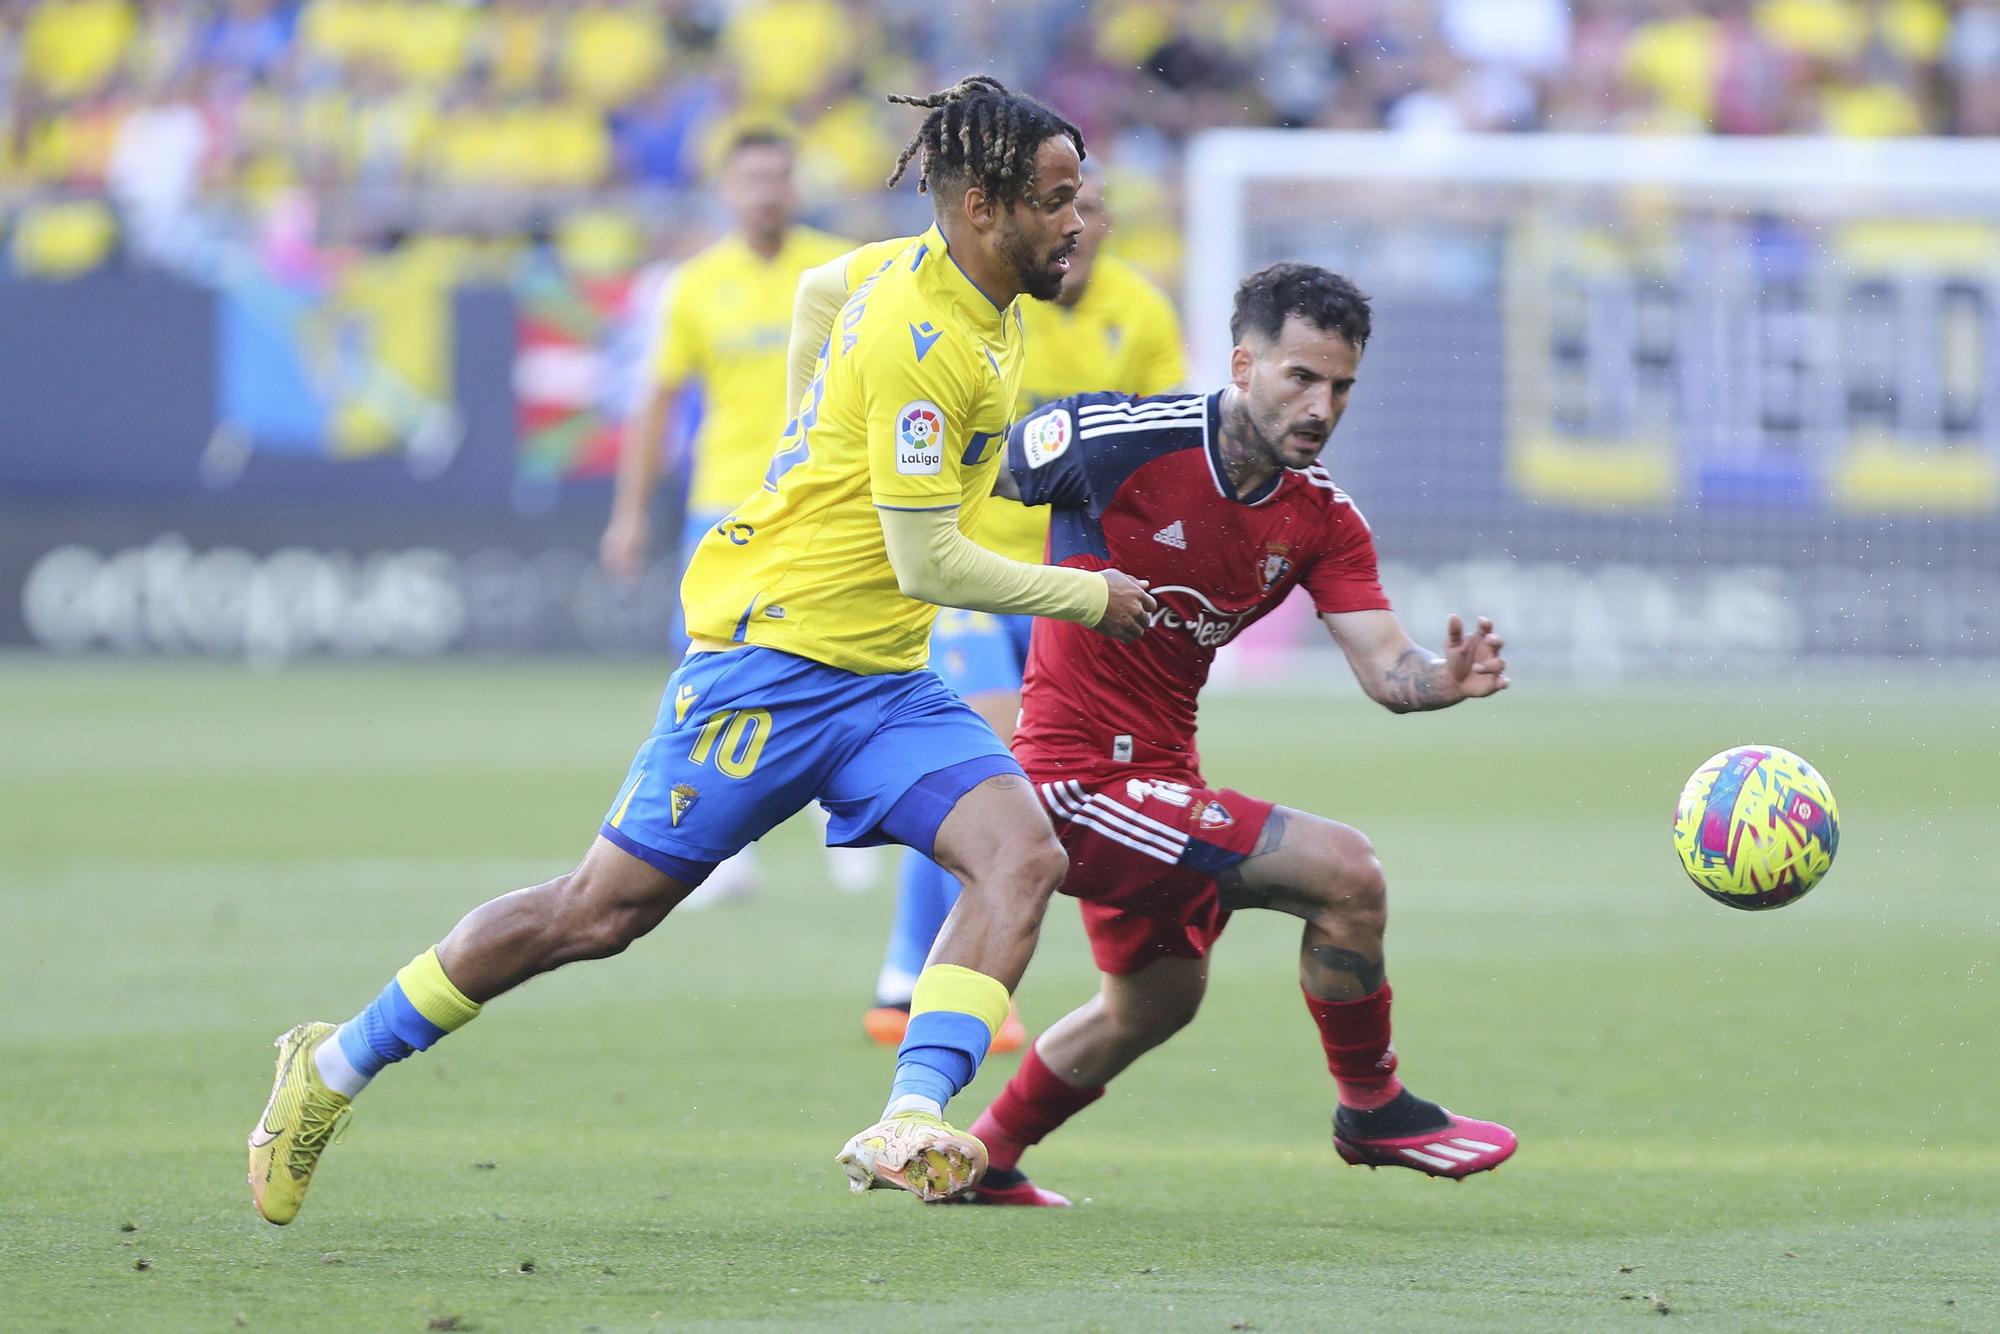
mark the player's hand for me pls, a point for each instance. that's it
(1126, 610)
(1473, 661)
(622, 549)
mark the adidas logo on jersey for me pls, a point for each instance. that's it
(1173, 535)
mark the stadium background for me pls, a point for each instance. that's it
(375, 279)
(316, 322)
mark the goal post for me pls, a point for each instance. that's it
(1671, 404)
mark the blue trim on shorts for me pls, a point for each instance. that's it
(913, 821)
(689, 873)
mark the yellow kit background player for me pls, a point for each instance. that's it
(725, 318)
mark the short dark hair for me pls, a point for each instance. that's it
(978, 133)
(757, 136)
(1320, 297)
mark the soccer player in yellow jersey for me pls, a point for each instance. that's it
(811, 606)
(1109, 329)
(724, 322)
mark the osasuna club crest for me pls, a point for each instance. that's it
(1277, 564)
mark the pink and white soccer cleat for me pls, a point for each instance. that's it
(1457, 1149)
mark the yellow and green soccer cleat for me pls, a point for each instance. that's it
(301, 1119)
(917, 1152)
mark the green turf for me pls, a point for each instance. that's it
(1778, 1121)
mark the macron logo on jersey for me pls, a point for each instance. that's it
(923, 335)
(1173, 535)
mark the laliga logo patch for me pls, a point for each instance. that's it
(1215, 815)
(1045, 437)
(682, 797)
(920, 439)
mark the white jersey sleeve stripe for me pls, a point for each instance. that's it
(1093, 432)
(1192, 412)
(1180, 403)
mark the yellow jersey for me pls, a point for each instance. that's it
(724, 322)
(1123, 335)
(908, 408)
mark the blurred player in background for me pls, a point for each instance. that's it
(811, 605)
(724, 319)
(1218, 500)
(1110, 329)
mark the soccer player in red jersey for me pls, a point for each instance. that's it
(1219, 503)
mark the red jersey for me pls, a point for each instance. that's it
(1138, 484)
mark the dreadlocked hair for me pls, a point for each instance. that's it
(979, 133)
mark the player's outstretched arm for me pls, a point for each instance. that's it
(936, 563)
(816, 304)
(1404, 678)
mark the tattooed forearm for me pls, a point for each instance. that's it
(1336, 974)
(1416, 682)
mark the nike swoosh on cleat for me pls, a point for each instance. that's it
(277, 1087)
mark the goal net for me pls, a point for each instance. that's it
(1657, 405)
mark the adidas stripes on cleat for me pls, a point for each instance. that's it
(1457, 1149)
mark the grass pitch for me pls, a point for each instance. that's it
(1775, 1121)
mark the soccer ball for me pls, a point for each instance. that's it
(1756, 827)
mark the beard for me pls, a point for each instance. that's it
(1271, 437)
(1034, 270)
(1299, 451)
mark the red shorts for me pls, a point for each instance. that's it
(1144, 851)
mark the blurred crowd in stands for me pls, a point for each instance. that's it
(145, 130)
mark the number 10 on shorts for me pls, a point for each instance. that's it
(736, 737)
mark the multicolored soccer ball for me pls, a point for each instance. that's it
(1756, 827)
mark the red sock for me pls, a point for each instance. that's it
(1034, 1102)
(1356, 1037)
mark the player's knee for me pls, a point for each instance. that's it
(1029, 867)
(1145, 1022)
(1351, 884)
(1168, 1017)
(1044, 863)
